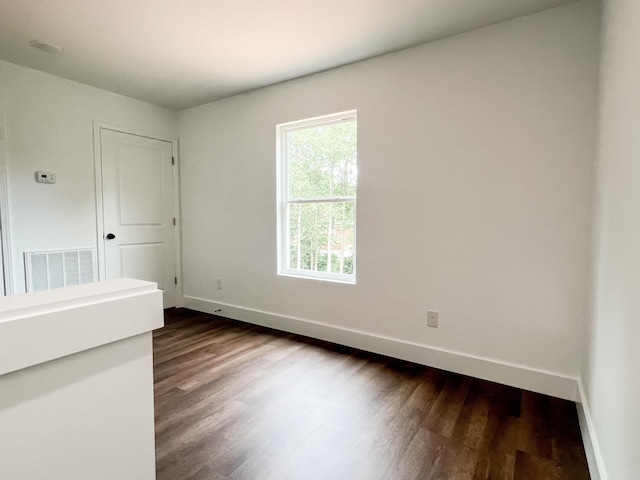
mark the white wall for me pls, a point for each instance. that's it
(473, 200)
(49, 126)
(610, 375)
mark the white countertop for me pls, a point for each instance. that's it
(18, 306)
(42, 326)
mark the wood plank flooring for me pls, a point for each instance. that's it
(237, 401)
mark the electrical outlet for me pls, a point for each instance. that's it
(219, 284)
(432, 319)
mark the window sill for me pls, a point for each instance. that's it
(305, 275)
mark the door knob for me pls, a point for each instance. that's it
(110, 236)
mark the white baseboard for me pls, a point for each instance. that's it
(548, 383)
(589, 439)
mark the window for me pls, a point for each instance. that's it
(317, 179)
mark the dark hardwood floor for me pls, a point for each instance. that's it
(237, 401)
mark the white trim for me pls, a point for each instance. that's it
(5, 238)
(97, 172)
(328, 119)
(298, 201)
(322, 276)
(177, 232)
(97, 161)
(589, 438)
(520, 376)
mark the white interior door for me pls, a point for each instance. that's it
(137, 199)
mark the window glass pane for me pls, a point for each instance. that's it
(321, 236)
(322, 161)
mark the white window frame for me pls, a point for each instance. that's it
(284, 201)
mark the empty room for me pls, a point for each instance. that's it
(303, 239)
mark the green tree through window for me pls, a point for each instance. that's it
(318, 165)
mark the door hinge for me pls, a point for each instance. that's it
(175, 280)
(173, 161)
(174, 221)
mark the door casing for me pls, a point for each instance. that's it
(6, 265)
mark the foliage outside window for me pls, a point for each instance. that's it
(317, 180)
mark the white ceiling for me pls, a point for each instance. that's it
(182, 53)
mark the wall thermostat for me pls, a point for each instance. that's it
(45, 177)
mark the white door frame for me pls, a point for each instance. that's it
(5, 239)
(97, 145)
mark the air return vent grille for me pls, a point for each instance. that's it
(61, 268)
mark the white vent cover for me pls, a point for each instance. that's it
(60, 268)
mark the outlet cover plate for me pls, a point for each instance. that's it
(432, 319)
